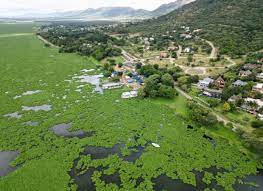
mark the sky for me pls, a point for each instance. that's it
(65, 5)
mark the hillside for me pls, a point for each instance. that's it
(234, 25)
(169, 7)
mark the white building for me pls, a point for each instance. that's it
(109, 86)
(205, 82)
(131, 94)
(260, 76)
(258, 88)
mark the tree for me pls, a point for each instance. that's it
(167, 80)
(166, 91)
(226, 107)
(200, 115)
(257, 124)
(174, 55)
(190, 58)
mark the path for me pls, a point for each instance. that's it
(46, 41)
(213, 53)
(233, 63)
(15, 34)
(179, 52)
(219, 117)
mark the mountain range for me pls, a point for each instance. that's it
(105, 13)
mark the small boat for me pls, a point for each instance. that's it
(155, 145)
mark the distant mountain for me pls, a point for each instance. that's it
(167, 8)
(234, 25)
(106, 13)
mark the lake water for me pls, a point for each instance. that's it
(13, 115)
(91, 79)
(37, 108)
(5, 158)
(63, 130)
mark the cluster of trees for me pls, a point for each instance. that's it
(159, 82)
(201, 116)
(82, 40)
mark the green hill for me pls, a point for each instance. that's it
(234, 25)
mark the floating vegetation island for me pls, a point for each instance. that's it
(118, 153)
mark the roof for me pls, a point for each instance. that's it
(259, 86)
(259, 102)
(246, 72)
(240, 83)
(220, 79)
(206, 81)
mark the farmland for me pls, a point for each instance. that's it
(118, 133)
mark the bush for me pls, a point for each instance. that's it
(257, 124)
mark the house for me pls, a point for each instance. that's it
(212, 93)
(251, 66)
(109, 86)
(260, 76)
(239, 83)
(205, 82)
(220, 83)
(187, 50)
(258, 104)
(258, 88)
(164, 55)
(244, 73)
(260, 116)
(131, 94)
(233, 99)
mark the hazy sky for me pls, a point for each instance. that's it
(62, 5)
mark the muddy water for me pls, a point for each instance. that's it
(258, 179)
(164, 182)
(93, 80)
(62, 130)
(13, 115)
(31, 123)
(84, 181)
(5, 158)
(37, 108)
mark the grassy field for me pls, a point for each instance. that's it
(17, 28)
(45, 159)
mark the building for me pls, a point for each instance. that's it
(239, 83)
(220, 83)
(164, 55)
(251, 66)
(109, 86)
(258, 104)
(131, 94)
(205, 82)
(212, 93)
(260, 76)
(187, 50)
(258, 88)
(233, 99)
(244, 73)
